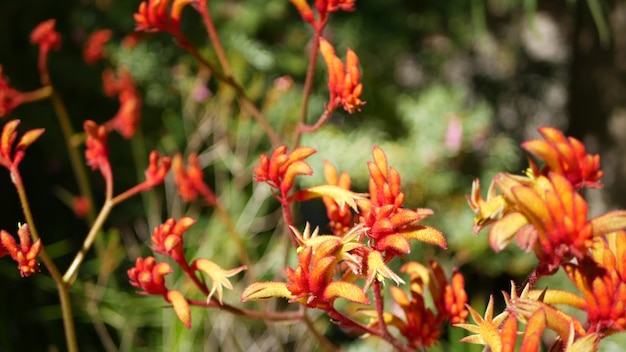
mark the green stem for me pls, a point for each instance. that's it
(78, 166)
(69, 275)
(62, 288)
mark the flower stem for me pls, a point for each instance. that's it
(248, 313)
(78, 166)
(62, 287)
(308, 86)
(69, 275)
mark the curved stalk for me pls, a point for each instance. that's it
(62, 287)
(78, 166)
(308, 85)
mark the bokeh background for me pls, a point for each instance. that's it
(452, 87)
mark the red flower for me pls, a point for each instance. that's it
(336, 5)
(168, 238)
(565, 156)
(149, 276)
(127, 119)
(80, 205)
(157, 169)
(97, 151)
(190, 180)
(344, 81)
(153, 15)
(48, 39)
(280, 170)
(94, 48)
(10, 154)
(25, 254)
(9, 97)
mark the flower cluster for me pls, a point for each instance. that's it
(546, 212)
(148, 274)
(344, 81)
(353, 260)
(25, 254)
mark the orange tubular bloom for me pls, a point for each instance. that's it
(157, 169)
(127, 119)
(190, 180)
(341, 217)
(149, 275)
(312, 284)
(602, 281)
(391, 226)
(153, 16)
(25, 254)
(565, 156)
(97, 152)
(344, 82)
(281, 168)
(420, 325)
(94, 48)
(11, 155)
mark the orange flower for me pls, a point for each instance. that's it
(153, 15)
(548, 215)
(340, 216)
(190, 181)
(420, 325)
(602, 281)
(94, 48)
(391, 226)
(324, 8)
(25, 254)
(11, 155)
(312, 284)
(280, 170)
(344, 81)
(97, 152)
(168, 238)
(565, 156)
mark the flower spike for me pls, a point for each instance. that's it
(344, 81)
(25, 254)
(10, 154)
